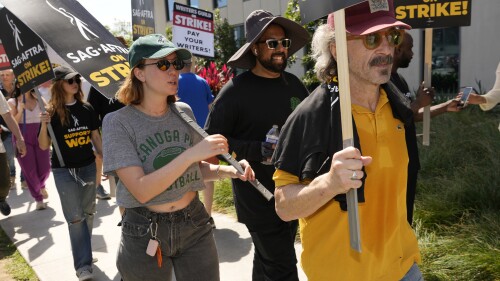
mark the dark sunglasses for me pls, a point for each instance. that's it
(373, 40)
(74, 79)
(164, 65)
(273, 43)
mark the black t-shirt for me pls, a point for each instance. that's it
(101, 104)
(74, 141)
(244, 111)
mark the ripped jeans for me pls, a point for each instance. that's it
(77, 195)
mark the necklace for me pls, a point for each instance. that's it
(151, 111)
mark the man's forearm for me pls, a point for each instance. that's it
(295, 201)
(12, 125)
(435, 110)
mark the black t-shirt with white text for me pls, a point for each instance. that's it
(74, 141)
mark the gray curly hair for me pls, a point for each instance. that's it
(326, 66)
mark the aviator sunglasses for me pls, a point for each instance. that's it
(74, 79)
(164, 65)
(373, 40)
(273, 43)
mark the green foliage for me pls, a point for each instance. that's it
(445, 82)
(223, 197)
(168, 32)
(17, 266)
(293, 13)
(457, 210)
(120, 29)
(224, 43)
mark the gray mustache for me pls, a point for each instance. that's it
(381, 60)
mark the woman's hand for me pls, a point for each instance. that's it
(45, 117)
(230, 171)
(21, 147)
(249, 173)
(20, 106)
(210, 146)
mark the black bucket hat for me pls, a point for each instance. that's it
(255, 24)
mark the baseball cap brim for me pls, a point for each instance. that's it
(376, 25)
(182, 53)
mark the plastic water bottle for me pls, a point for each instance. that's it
(272, 137)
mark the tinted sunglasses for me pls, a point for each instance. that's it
(273, 43)
(74, 79)
(164, 65)
(373, 40)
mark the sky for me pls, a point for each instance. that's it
(108, 12)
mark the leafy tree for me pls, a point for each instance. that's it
(224, 43)
(168, 32)
(120, 29)
(293, 13)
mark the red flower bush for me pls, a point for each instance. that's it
(216, 78)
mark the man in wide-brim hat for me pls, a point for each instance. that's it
(246, 108)
(255, 25)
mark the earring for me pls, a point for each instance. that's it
(255, 52)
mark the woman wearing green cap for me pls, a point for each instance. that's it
(158, 159)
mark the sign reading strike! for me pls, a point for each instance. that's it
(29, 59)
(74, 34)
(193, 29)
(4, 60)
(143, 22)
(433, 13)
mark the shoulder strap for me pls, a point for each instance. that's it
(227, 157)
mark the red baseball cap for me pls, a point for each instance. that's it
(359, 20)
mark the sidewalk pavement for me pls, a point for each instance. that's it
(42, 239)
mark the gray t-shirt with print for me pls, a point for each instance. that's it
(132, 138)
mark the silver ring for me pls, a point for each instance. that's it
(354, 176)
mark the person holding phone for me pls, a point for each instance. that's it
(403, 55)
(464, 96)
(490, 99)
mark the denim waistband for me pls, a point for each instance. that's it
(176, 216)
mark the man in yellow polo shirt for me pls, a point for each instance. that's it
(314, 171)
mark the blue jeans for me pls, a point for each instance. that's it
(11, 155)
(413, 274)
(9, 149)
(186, 240)
(78, 205)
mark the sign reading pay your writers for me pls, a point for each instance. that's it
(193, 29)
(26, 51)
(433, 13)
(78, 38)
(143, 22)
